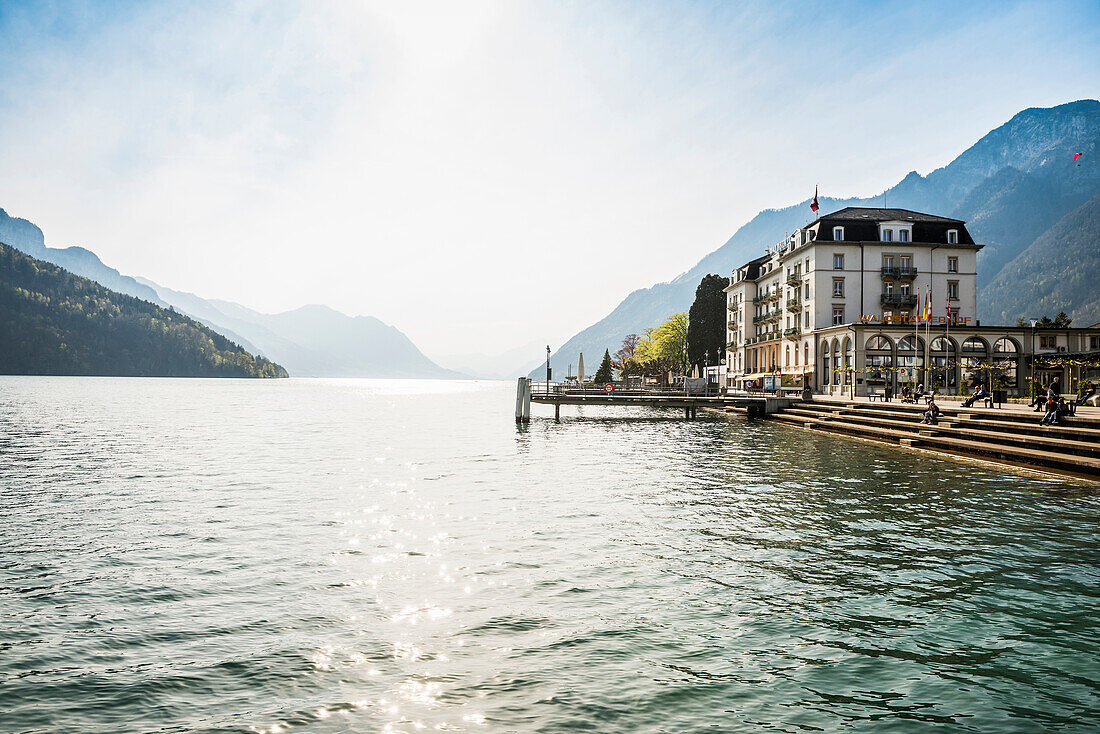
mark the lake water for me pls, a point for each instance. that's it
(388, 556)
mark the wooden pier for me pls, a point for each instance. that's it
(559, 394)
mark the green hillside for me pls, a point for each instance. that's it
(1057, 272)
(55, 323)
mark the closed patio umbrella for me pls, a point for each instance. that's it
(580, 368)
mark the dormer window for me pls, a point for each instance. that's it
(952, 236)
(903, 235)
(838, 234)
(887, 235)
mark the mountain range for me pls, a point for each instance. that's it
(53, 322)
(1018, 188)
(311, 341)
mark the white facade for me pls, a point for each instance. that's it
(852, 267)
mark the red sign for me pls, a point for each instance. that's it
(609, 387)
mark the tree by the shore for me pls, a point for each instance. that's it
(603, 374)
(706, 333)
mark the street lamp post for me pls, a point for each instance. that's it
(1034, 323)
(548, 366)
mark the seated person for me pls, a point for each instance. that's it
(932, 415)
(1051, 417)
(979, 393)
(1090, 390)
(1040, 400)
(906, 396)
(1063, 410)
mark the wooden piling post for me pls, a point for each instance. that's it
(557, 412)
(523, 400)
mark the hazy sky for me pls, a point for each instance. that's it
(485, 174)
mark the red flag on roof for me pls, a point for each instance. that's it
(813, 204)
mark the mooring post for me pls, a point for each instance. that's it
(523, 400)
(557, 412)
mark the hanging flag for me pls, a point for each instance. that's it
(813, 204)
(928, 305)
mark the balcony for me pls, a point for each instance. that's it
(899, 271)
(898, 299)
(731, 344)
(768, 316)
(795, 278)
(731, 305)
(794, 332)
(794, 304)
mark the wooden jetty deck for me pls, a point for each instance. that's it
(559, 394)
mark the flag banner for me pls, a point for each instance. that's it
(813, 204)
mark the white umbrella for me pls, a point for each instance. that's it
(580, 368)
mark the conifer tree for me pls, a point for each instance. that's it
(603, 374)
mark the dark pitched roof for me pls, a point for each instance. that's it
(872, 214)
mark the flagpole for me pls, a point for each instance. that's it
(927, 336)
(916, 339)
(947, 334)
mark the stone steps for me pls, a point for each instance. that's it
(986, 433)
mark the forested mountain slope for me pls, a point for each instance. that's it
(55, 323)
(1060, 271)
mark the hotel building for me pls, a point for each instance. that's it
(833, 307)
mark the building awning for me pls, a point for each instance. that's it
(1044, 356)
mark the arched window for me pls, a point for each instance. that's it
(836, 362)
(943, 344)
(975, 366)
(1006, 363)
(787, 356)
(974, 345)
(878, 343)
(879, 360)
(944, 374)
(826, 362)
(910, 360)
(906, 343)
(806, 354)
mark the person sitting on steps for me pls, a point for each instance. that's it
(905, 394)
(1051, 417)
(932, 415)
(978, 394)
(1040, 399)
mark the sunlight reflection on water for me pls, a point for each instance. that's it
(331, 555)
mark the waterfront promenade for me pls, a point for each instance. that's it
(1010, 434)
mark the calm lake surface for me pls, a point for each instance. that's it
(396, 556)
